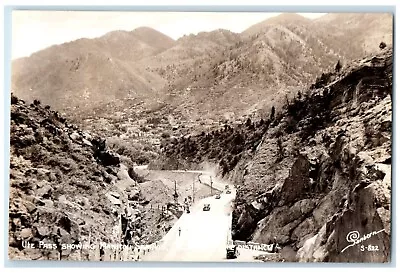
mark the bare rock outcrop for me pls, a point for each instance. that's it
(66, 189)
(322, 171)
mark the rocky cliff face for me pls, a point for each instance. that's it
(67, 188)
(323, 170)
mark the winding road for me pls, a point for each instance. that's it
(204, 234)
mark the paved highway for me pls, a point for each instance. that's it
(204, 235)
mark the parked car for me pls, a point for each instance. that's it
(206, 207)
(232, 252)
(218, 196)
(228, 192)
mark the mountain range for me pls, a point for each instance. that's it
(217, 74)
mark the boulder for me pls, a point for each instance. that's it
(281, 222)
(134, 195)
(114, 194)
(256, 205)
(298, 181)
(123, 173)
(359, 218)
(29, 206)
(45, 191)
(26, 233)
(43, 230)
(75, 136)
(87, 142)
(113, 200)
(108, 158)
(62, 199)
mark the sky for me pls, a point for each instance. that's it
(36, 30)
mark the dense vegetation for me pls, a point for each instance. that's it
(224, 146)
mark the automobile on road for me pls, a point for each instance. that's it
(232, 252)
(228, 191)
(218, 196)
(206, 207)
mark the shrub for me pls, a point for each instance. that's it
(154, 120)
(14, 99)
(272, 116)
(135, 176)
(338, 66)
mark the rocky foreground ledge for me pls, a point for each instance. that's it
(66, 188)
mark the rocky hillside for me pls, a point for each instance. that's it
(86, 73)
(313, 171)
(323, 170)
(190, 55)
(66, 187)
(354, 35)
(215, 74)
(273, 59)
(225, 146)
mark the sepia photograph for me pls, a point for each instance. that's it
(155, 136)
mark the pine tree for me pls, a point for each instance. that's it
(272, 116)
(338, 66)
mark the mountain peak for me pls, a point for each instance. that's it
(146, 31)
(281, 19)
(153, 37)
(288, 17)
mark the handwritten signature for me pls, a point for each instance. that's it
(353, 237)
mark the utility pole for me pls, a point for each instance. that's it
(175, 188)
(193, 191)
(175, 194)
(211, 184)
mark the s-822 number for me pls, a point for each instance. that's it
(369, 248)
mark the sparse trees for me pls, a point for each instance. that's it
(299, 95)
(14, 99)
(165, 135)
(338, 66)
(280, 148)
(272, 116)
(248, 122)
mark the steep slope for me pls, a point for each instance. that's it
(67, 188)
(248, 75)
(134, 45)
(212, 75)
(191, 54)
(323, 170)
(315, 171)
(354, 35)
(274, 59)
(282, 19)
(88, 72)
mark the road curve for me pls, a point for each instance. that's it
(204, 235)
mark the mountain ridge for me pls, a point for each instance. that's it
(287, 53)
